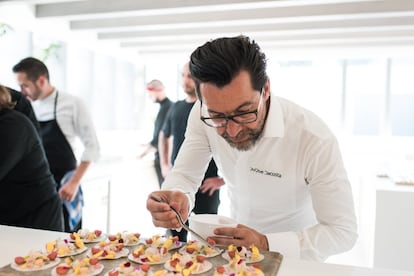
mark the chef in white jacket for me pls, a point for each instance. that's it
(287, 184)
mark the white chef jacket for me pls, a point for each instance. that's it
(73, 119)
(291, 186)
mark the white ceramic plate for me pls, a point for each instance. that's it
(246, 260)
(95, 271)
(182, 250)
(205, 266)
(126, 236)
(135, 272)
(98, 239)
(229, 271)
(165, 258)
(132, 243)
(175, 245)
(123, 253)
(47, 266)
(74, 252)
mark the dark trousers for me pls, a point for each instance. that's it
(204, 204)
(66, 222)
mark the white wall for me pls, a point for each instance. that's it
(14, 46)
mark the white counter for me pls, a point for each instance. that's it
(16, 241)
(298, 268)
(394, 226)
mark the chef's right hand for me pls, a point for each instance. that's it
(162, 215)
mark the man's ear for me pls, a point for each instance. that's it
(41, 81)
(266, 90)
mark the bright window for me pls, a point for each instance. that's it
(402, 97)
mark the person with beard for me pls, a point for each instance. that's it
(156, 92)
(62, 118)
(207, 198)
(287, 185)
(28, 195)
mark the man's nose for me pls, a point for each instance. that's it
(24, 91)
(232, 128)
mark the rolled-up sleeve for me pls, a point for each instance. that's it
(85, 129)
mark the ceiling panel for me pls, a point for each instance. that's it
(166, 25)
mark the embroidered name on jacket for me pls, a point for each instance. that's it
(265, 172)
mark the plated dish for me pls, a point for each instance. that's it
(167, 242)
(125, 237)
(188, 264)
(87, 236)
(78, 267)
(108, 251)
(128, 269)
(198, 248)
(249, 255)
(35, 261)
(145, 254)
(160, 272)
(238, 269)
(65, 248)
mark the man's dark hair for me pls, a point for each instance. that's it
(220, 60)
(33, 68)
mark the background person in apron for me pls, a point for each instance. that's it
(62, 118)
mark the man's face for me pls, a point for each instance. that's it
(187, 81)
(235, 98)
(153, 95)
(28, 88)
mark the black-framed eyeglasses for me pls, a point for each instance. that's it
(240, 118)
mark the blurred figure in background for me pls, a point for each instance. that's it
(156, 92)
(62, 118)
(208, 196)
(28, 195)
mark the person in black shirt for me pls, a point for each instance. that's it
(208, 196)
(28, 195)
(23, 105)
(157, 94)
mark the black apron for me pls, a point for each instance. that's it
(58, 152)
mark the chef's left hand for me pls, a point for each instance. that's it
(240, 236)
(68, 191)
